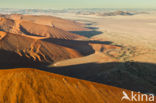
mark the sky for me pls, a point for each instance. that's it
(60, 4)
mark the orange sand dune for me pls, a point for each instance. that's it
(32, 49)
(29, 28)
(64, 24)
(47, 31)
(25, 85)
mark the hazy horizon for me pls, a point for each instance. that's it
(61, 4)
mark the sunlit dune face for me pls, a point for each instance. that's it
(2, 35)
(27, 85)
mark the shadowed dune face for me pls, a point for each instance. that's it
(10, 59)
(83, 47)
(32, 29)
(25, 85)
(130, 75)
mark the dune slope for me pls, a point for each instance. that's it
(25, 85)
(32, 49)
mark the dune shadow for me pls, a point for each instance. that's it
(58, 41)
(93, 28)
(92, 31)
(81, 46)
(140, 77)
(88, 34)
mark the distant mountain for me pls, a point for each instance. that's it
(115, 13)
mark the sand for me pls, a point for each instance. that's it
(27, 85)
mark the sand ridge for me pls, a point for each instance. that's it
(27, 85)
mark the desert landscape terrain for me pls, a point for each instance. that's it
(77, 57)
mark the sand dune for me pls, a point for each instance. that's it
(26, 85)
(63, 24)
(34, 49)
(32, 29)
(47, 31)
